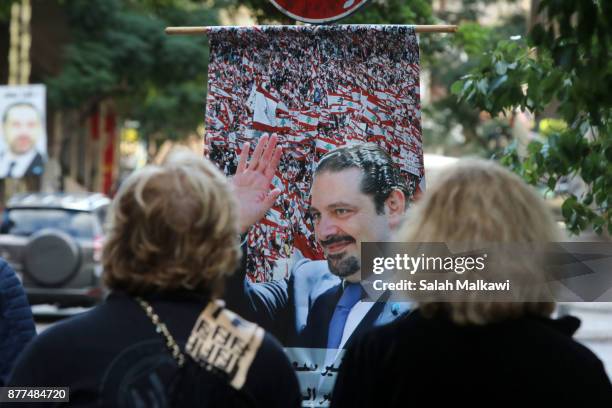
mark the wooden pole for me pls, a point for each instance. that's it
(418, 28)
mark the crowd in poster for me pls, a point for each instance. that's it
(317, 88)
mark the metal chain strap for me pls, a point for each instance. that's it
(161, 328)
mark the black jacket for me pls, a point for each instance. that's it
(523, 362)
(112, 356)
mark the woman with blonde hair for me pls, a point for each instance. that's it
(473, 350)
(162, 337)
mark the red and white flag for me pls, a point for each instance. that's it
(264, 111)
(308, 119)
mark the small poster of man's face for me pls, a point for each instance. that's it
(22, 127)
(24, 140)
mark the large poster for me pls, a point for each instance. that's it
(23, 135)
(317, 89)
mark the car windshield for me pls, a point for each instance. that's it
(25, 222)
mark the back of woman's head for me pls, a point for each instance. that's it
(479, 202)
(172, 227)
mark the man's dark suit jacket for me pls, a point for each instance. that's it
(37, 166)
(297, 310)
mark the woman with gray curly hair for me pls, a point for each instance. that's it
(162, 337)
(476, 351)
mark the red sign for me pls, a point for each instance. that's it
(318, 11)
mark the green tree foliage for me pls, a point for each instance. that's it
(119, 50)
(451, 57)
(563, 67)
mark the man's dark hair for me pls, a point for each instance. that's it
(14, 105)
(380, 174)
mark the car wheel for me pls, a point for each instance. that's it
(51, 257)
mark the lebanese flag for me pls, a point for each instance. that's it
(385, 118)
(324, 144)
(370, 116)
(352, 105)
(339, 109)
(379, 131)
(264, 111)
(336, 99)
(308, 120)
(301, 137)
(386, 95)
(283, 124)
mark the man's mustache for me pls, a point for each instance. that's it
(337, 239)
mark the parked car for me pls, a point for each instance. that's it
(54, 242)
